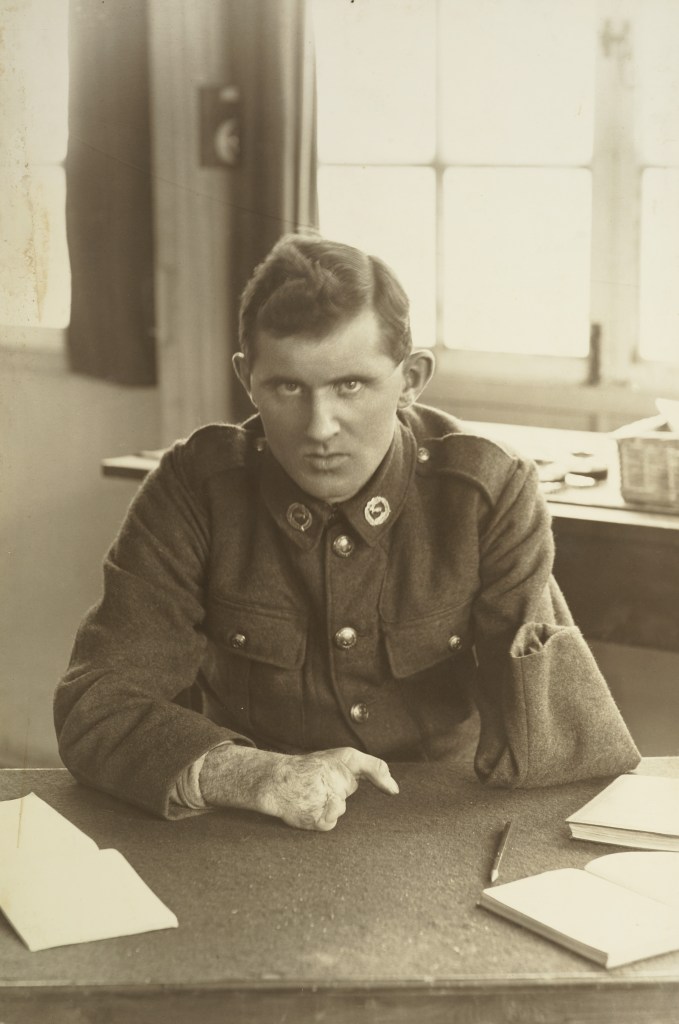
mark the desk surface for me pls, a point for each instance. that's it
(375, 921)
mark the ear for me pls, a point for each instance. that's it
(242, 370)
(418, 369)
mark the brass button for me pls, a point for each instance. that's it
(359, 712)
(345, 638)
(343, 545)
(239, 641)
(299, 516)
(260, 444)
(423, 455)
(454, 642)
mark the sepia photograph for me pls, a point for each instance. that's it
(339, 511)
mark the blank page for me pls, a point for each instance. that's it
(590, 911)
(644, 803)
(32, 826)
(59, 900)
(653, 874)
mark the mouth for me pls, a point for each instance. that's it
(325, 461)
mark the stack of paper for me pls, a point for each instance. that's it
(641, 811)
(621, 908)
(57, 887)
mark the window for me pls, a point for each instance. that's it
(34, 267)
(518, 165)
(657, 142)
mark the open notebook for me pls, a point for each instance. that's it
(57, 887)
(621, 908)
(641, 811)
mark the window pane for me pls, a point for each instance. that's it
(34, 81)
(657, 80)
(376, 87)
(389, 212)
(517, 260)
(517, 81)
(35, 282)
(659, 309)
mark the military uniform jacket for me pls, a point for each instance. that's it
(379, 623)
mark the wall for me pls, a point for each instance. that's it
(57, 517)
(645, 684)
(195, 312)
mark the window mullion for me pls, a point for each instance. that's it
(439, 170)
(615, 196)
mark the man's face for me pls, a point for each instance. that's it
(329, 406)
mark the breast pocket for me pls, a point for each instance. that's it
(260, 654)
(432, 659)
(416, 645)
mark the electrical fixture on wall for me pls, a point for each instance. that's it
(220, 126)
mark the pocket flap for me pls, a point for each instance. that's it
(416, 644)
(262, 634)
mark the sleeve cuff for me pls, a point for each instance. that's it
(186, 790)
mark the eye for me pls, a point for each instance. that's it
(289, 387)
(349, 387)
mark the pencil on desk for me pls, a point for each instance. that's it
(501, 846)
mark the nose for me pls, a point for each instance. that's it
(322, 424)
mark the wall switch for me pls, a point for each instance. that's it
(220, 125)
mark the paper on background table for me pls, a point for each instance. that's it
(58, 888)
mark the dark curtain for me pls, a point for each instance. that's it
(271, 53)
(109, 201)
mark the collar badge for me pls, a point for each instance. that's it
(299, 517)
(377, 511)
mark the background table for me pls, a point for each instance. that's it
(376, 921)
(617, 563)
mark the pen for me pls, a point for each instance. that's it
(504, 836)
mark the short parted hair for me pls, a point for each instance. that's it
(309, 285)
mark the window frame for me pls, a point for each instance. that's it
(612, 384)
(48, 336)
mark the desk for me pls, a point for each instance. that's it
(618, 565)
(373, 922)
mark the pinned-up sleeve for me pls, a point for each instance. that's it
(547, 715)
(139, 647)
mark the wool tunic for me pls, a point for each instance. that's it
(237, 607)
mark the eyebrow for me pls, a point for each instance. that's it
(278, 379)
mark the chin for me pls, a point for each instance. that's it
(331, 488)
(330, 495)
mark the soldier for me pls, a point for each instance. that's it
(345, 579)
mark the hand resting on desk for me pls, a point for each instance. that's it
(305, 790)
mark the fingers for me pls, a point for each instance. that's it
(365, 766)
(310, 791)
(334, 809)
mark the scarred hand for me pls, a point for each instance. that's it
(307, 791)
(311, 790)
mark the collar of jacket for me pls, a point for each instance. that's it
(292, 508)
